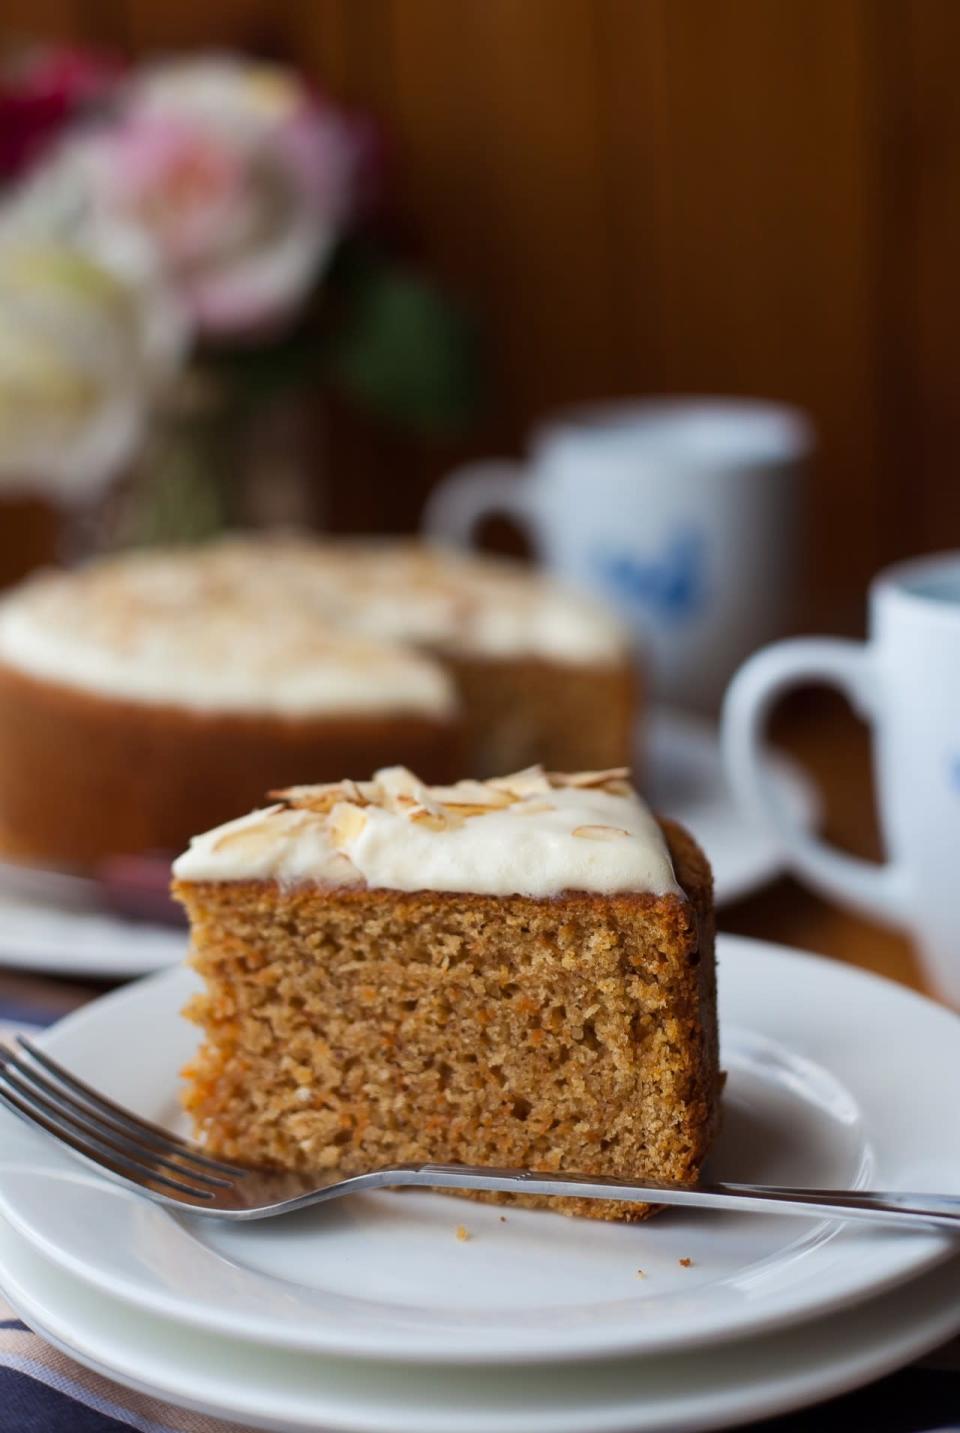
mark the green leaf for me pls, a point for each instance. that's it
(405, 352)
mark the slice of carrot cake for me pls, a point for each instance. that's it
(512, 972)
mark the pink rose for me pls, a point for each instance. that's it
(242, 179)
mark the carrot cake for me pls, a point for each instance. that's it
(153, 694)
(516, 972)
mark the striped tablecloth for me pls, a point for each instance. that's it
(44, 1391)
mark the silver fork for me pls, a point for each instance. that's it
(154, 1162)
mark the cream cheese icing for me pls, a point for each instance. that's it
(292, 626)
(252, 653)
(535, 833)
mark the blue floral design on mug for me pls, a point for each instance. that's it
(670, 584)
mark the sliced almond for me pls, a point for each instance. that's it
(587, 780)
(396, 781)
(253, 838)
(321, 799)
(618, 788)
(309, 798)
(600, 833)
(346, 823)
(399, 787)
(353, 792)
(432, 820)
(250, 837)
(470, 793)
(534, 808)
(532, 781)
(467, 808)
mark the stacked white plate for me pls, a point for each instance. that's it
(373, 1315)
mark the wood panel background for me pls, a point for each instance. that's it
(743, 196)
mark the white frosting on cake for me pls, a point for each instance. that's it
(534, 833)
(291, 626)
(153, 632)
(453, 601)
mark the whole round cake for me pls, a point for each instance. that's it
(153, 694)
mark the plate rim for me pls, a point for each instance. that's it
(48, 955)
(368, 1344)
(784, 1390)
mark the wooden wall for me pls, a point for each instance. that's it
(749, 196)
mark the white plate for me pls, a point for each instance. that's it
(836, 1079)
(686, 781)
(37, 935)
(52, 923)
(675, 1393)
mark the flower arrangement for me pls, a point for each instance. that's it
(228, 203)
(41, 91)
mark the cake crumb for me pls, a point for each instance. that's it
(463, 1233)
(641, 1274)
(503, 1219)
(685, 1263)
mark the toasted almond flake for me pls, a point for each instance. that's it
(346, 823)
(321, 799)
(586, 780)
(473, 793)
(353, 793)
(432, 820)
(395, 781)
(309, 798)
(532, 781)
(427, 802)
(440, 808)
(468, 808)
(251, 836)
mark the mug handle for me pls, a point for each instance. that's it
(873, 889)
(455, 508)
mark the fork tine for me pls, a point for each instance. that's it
(180, 1158)
(149, 1134)
(107, 1161)
(30, 1083)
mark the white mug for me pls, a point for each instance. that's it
(682, 513)
(905, 681)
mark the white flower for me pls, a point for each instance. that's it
(82, 346)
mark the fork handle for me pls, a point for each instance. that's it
(941, 1211)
